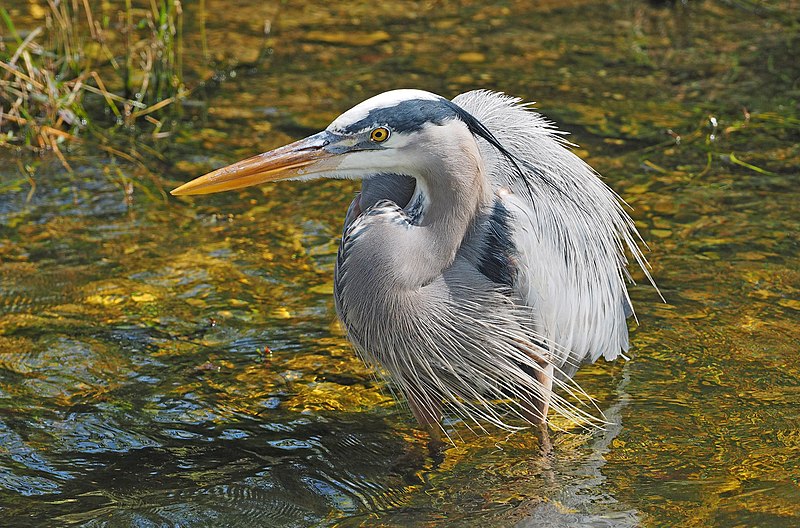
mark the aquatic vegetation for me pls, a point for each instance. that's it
(135, 384)
(82, 77)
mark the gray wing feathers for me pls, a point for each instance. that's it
(571, 232)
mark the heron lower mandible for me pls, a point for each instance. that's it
(482, 262)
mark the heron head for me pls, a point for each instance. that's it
(403, 132)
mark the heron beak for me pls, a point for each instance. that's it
(295, 160)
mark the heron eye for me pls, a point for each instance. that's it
(379, 135)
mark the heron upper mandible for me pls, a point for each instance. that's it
(482, 262)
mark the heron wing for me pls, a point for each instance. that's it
(569, 231)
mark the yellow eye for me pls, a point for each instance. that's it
(379, 135)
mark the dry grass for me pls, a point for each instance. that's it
(79, 77)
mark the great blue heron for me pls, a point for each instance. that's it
(481, 263)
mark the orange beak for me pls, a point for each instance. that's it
(291, 161)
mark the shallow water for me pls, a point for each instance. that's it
(177, 362)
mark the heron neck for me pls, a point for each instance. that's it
(451, 197)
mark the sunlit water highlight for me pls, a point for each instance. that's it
(178, 362)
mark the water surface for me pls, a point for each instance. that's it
(178, 362)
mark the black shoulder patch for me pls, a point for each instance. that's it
(498, 261)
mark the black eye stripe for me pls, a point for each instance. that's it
(406, 116)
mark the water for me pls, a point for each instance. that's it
(177, 362)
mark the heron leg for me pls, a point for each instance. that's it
(545, 379)
(537, 413)
(428, 415)
(536, 406)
